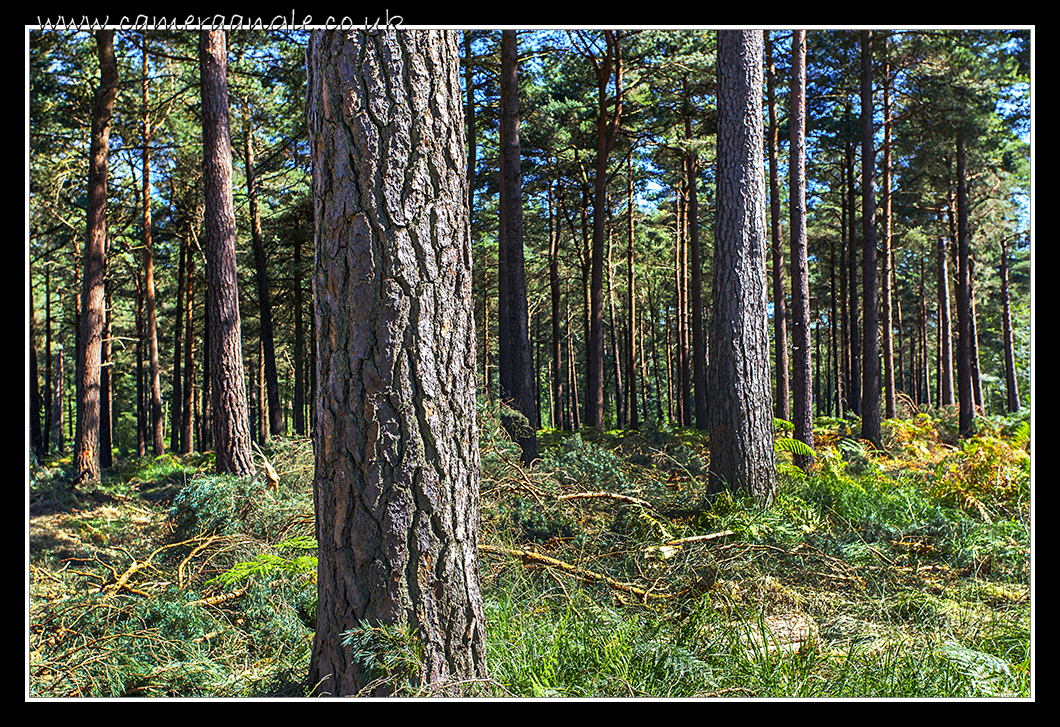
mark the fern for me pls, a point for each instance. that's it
(1022, 435)
(794, 446)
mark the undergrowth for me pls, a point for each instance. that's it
(607, 571)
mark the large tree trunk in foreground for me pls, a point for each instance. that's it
(397, 464)
(741, 401)
(231, 428)
(86, 453)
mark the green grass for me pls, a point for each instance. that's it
(914, 564)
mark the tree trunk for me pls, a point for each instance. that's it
(606, 127)
(1012, 394)
(741, 409)
(781, 402)
(86, 453)
(886, 272)
(188, 390)
(631, 352)
(176, 418)
(945, 320)
(231, 428)
(699, 350)
(801, 364)
(966, 412)
(516, 375)
(154, 367)
(554, 299)
(397, 464)
(106, 388)
(854, 390)
(870, 397)
(299, 341)
(271, 402)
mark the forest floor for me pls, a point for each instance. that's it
(606, 571)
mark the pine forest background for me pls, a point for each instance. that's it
(951, 125)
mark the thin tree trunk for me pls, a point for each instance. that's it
(1012, 395)
(271, 403)
(886, 252)
(516, 374)
(606, 127)
(554, 298)
(782, 403)
(634, 418)
(854, 390)
(299, 340)
(870, 398)
(154, 368)
(616, 357)
(106, 389)
(176, 419)
(966, 413)
(699, 350)
(801, 370)
(188, 389)
(945, 319)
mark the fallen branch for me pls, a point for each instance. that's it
(697, 538)
(214, 600)
(528, 556)
(610, 495)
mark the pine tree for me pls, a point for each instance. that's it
(741, 409)
(397, 464)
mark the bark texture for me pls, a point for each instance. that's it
(86, 452)
(741, 401)
(397, 465)
(231, 428)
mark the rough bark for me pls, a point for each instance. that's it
(741, 409)
(86, 451)
(231, 428)
(801, 378)
(397, 466)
